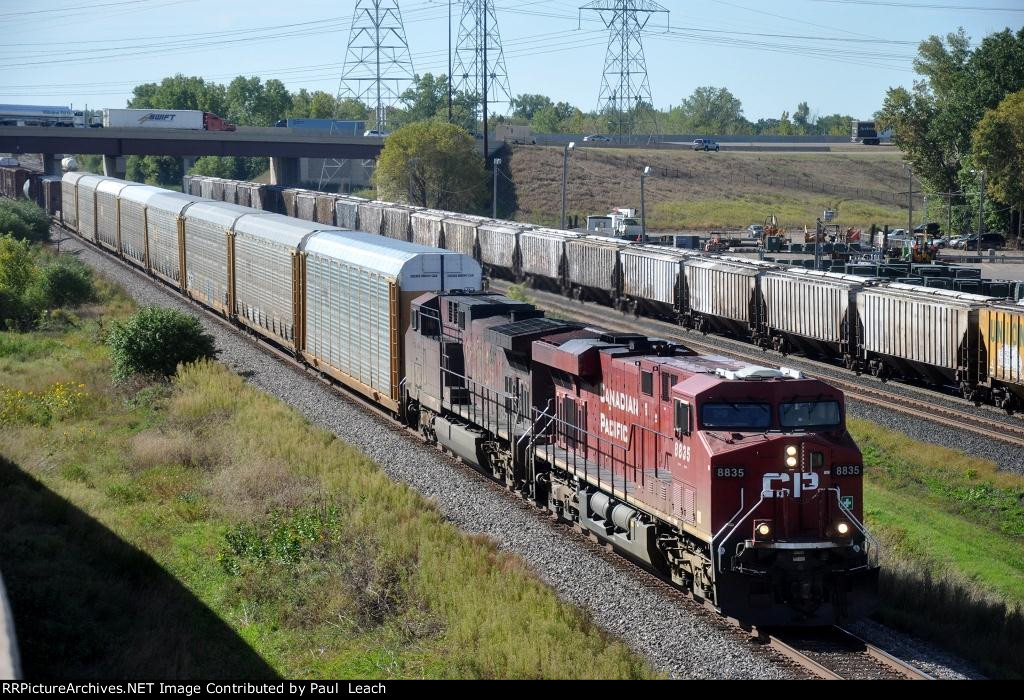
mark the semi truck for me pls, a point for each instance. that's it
(165, 119)
(340, 127)
(514, 133)
(36, 115)
(864, 132)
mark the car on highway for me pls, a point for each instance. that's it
(376, 133)
(705, 145)
(597, 137)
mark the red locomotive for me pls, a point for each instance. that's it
(740, 483)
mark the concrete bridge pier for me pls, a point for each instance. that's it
(284, 171)
(114, 166)
(51, 164)
(187, 162)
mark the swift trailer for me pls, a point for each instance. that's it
(193, 119)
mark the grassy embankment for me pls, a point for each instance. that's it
(711, 190)
(951, 526)
(201, 528)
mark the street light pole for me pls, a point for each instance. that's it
(910, 200)
(643, 206)
(494, 195)
(565, 177)
(981, 205)
(981, 209)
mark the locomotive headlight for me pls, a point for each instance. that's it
(791, 460)
(843, 529)
(791, 450)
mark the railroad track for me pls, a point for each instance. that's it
(926, 406)
(834, 653)
(851, 662)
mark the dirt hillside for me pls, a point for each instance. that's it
(697, 190)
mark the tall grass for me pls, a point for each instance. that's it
(951, 527)
(293, 541)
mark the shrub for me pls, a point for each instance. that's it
(24, 220)
(155, 341)
(65, 282)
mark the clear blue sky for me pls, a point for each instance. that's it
(839, 55)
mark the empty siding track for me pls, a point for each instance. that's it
(909, 400)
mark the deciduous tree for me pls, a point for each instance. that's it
(436, 162)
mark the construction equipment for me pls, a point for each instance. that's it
(715, 244)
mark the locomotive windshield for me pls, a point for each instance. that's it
(810, 414)
(736, 416)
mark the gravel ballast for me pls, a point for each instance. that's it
(677, 637)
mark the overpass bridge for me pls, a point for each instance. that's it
(283, 146)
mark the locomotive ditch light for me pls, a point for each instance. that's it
(791, 460)
(762, 530)
(842, 529)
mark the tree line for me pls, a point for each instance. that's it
(964, 115)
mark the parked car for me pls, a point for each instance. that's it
(988, 240)
(755, 230)
(705, 145)
(596, 137)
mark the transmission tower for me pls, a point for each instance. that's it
(625, 96)
(479, 58)
(378, 66)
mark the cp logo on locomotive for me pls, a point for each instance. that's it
(806, 482)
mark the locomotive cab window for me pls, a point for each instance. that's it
(801, 415)
(647, 383)
(736, 416)
(682, 411)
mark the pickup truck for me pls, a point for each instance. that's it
(705, 145)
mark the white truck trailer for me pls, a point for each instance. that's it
(154, 118)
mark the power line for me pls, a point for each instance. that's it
(922, 6)
(89, 6)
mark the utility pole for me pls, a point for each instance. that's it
(494, 194)
(449, 61)
(565, 178)
(487, 153)
(949, 214)
(643, 206)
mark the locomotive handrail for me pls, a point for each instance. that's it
(868, 537)
(721, 550)
(535, 421)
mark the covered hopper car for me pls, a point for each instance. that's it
(945, 338)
